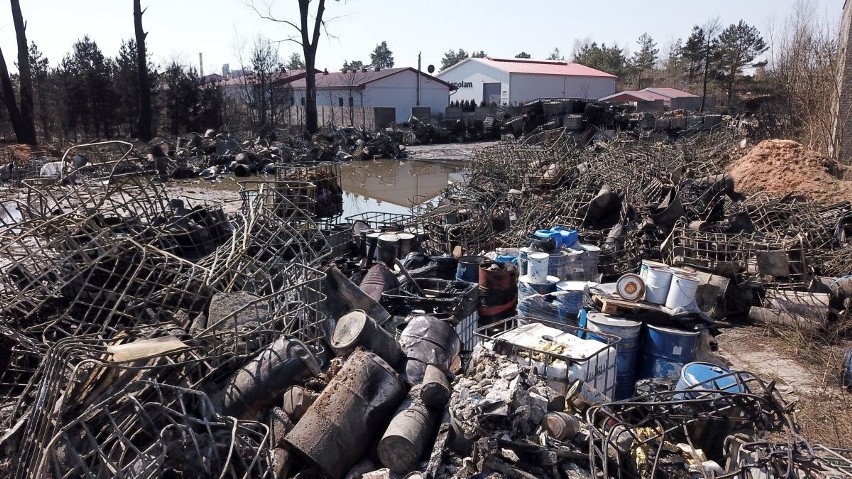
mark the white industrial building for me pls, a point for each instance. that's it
(515, 81)
(396, 88)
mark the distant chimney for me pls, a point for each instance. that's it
(325, 71)
(201, 64)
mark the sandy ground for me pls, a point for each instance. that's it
(452, 151)
(804, 371)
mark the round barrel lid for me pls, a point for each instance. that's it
(630, 287)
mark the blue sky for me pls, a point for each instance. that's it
(180, 29)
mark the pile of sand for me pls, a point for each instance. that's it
(780, 167)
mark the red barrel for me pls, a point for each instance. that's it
(498, 292)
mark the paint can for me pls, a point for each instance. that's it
(681, 294)
(658, 279)
(537, 264)
(523, 260)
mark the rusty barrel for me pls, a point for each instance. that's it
(261, 382)
(348, 416)
(378, 280)
(498, 292)
(431, 341)
(405, 439)
(356, 328)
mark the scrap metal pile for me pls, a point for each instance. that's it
(123, 313)
(636, 200)
(142, 336)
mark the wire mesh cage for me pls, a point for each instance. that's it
(767, 260)
(293, 308)
(173, 431)
(300, 196)
(647, 435)
(326, 178)
(77, 372)
(559, 354)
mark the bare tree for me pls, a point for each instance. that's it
(804, 74)
(308, 37)
(144, 126)
(709, 48)
(22, 119)
(9, 97)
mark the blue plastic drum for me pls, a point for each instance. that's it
(665, 351)
(697, 378)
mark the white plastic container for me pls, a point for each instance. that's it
(682, 292)
(658, 280)
(591, 361)
(537, 267)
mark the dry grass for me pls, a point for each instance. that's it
(824, 408)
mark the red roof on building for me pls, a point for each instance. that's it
(649, 94)
(358, 78)
(280, 77)
(541, 67)
(671, 92)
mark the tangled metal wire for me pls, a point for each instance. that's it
(109, 353)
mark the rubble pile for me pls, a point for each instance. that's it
(114, 301)
(143, 336)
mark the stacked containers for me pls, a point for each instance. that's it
(627, 348)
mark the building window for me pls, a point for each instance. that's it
(302, 100)
(351, 102)
(340, 101)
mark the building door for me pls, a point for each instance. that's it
(491, 93)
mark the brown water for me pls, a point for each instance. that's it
(391, 186)
(386, 186)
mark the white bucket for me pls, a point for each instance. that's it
(537, 267)
(647, 265)
(658, 280)
(682, 291)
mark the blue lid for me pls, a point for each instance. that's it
(506, 258)
(708, 376)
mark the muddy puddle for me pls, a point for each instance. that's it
(387, 186)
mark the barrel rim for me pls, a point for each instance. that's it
(669, 329)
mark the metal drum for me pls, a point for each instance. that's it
(665, 351)
(349, 415)
(627, 348)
